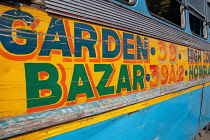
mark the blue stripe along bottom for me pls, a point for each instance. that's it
(174, 119)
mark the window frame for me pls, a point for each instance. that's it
(130, 3)
(183, 15)
(203, 18)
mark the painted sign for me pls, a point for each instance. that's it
(49, 62)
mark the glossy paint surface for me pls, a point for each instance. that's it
(176, 118)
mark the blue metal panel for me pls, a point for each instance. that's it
(205, 113)
(176, 118)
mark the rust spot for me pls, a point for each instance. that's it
(7, 70)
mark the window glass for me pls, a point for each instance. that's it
(170, 10)
(196, 25)
(208, 12)
(197, 17)
(197, 5)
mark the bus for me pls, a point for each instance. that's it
(104, 69)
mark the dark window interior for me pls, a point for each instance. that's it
(196, 25)
(167, 9)
(208, 11)
(28, 2)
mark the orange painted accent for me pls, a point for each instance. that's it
(162, 47)
(22, 24)
(130, 61)
(69, 36)
(84, 94)
(85, 34)
(132, 41)
(80, 82)
(172, 74)
(132, 51)
(110, 96)
(154, 75)
(92, 84)
(43, 92)
(173, 52)
(63, 99)
(35, 24)
(58, 52)
(97, 46)
(145, 69)
(181, 73)
(84, 57)
(19, 40)
(67, 60)
(44, 58)
(43, 74)
(108, 84)
(110, 42)
(124, 89)
(18, 23)
(71, 103)
(129, 74)
(55, 52)
(81, 95)
(120, 54)
(164, 74)
(112, 75)
(13, 57)
(138, 86)
(143, 61)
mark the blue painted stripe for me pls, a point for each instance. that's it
(173, 119)
(205, 112)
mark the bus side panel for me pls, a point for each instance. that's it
(176, 118)
(205, 112)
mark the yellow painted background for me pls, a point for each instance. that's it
(12, 73)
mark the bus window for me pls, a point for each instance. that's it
(197, 5)
(196, 24)
(197, 17)
(208, 10)
(128, 2)
(170, 10)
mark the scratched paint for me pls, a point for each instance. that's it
(20, 124)
(138, 121)
(48, 62)
(205, 108)
(168, 120)
(53, 62)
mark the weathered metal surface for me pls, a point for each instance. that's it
(205, 108)
(137, 121)
(51, 65)
(173, 119)
(111, 14)
(21, 124)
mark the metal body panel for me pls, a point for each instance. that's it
(17, 124)
(117, 16)
(205, 108)
(176, 118)
(57, 70)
